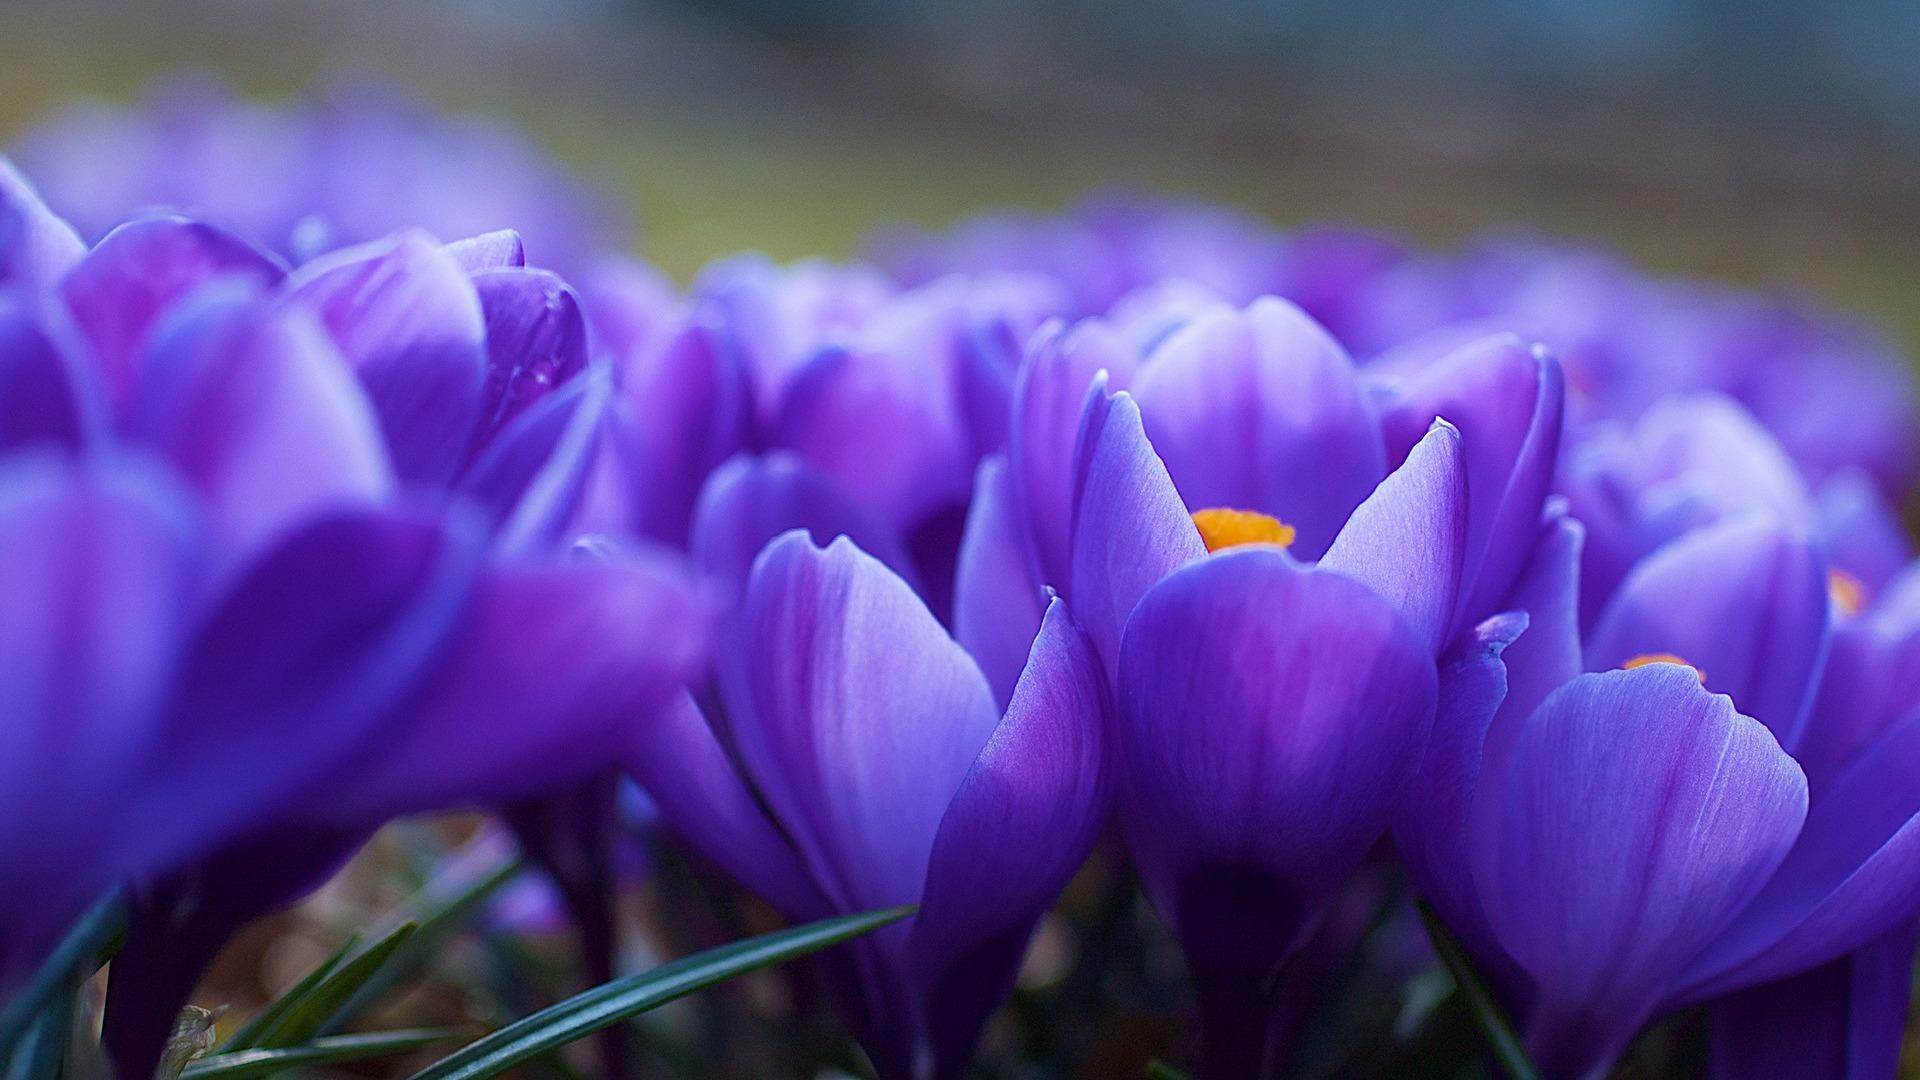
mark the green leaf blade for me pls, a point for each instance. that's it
(332, 1050)
(91, 938)
(249, 1034)
(610, 1003)
(316, 1005)
(1494, 1028)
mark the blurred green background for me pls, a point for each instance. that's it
(1695, 135)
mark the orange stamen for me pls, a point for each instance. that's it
(1222, 527)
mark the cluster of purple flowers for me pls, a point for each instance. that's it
(1583, 594)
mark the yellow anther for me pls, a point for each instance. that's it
(1848, 592)
(1221, 527)
(1662, 658)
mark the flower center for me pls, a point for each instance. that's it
(1661, 658)
(1848, 593)
(1223, 527)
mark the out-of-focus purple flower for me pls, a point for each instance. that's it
(1834, 393)
(810, 396)
(857, 760)
(286, 564)
(347, 166)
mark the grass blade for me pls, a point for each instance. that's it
(332, 1050)
(249, 1034)
(436, 917)
(1160, 1070)
(1486, 1013)
(610, 1003)
(304, 1018)
(86, 943)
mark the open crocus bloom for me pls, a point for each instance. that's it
(1731, 809)
(1269, 707)
(874, 769)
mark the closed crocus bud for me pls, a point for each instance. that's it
(859, 761)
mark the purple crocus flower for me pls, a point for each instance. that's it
(346, 166)
(1272, 698)
(1631, 842)
(281, 582)
(855, 759)
(812, 396)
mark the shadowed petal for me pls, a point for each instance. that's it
(1261, 410)
(675, 757)
(536, 342)
(1024, 820)
(1406, 542)
(751, 500)
(1853, 875)
(1843, 1021)
(1863, 533)
(1269, 718)
(1507, 401)
(408, 320)
(1632, 818)
(530, 478)
(1049, 396)
(685, 410)
(549, 668)
(997, 601)
(46, 397)
(99, 570)
(1744, 602)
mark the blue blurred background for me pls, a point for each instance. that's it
(1763, 143)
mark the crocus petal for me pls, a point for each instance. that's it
(685, 409)
(1633, 817)
(99, 568)
(1843, 1021)
(1263, 411)
(1745, 603)
(1871, 679)
(1130, 528)
(495, 250)
(45, 398)
(1863, 533)
(1024, 819)
(536, 342)
(855, 715)
(291, 672)
(1407, 541)
(683, 768)
(1548, 590)
(751, 500)
(883, 424)
(549, 667)
(1430, 820)
(1269, 716)
(1507, 401)
(530, 479)
(254, 406)
(997, 600)
(1853, 875)
(138, 271)
(408, 320)
(1049, 395)
(36, 246)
